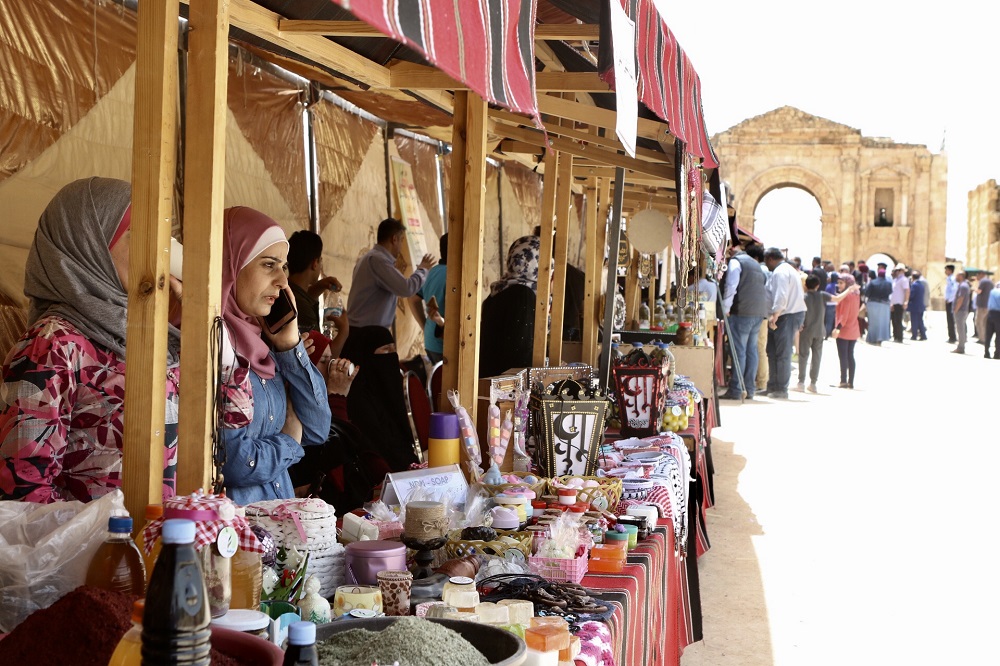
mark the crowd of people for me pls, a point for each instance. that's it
(776, 309)
(289, 396)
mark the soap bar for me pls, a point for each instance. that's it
(606, 566)
(549, 619)
(607, 552)
(491, 613)
(536, 658)
(463, 599)
(568, 653)
(547, 637)
(520, 611)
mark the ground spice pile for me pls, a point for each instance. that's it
(89, 622)
(410, 641)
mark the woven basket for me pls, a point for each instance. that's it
(327, 557)
(560, 570)
(458, 547)
(493, 490)
(608, 487)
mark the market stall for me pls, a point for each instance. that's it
(601, 161)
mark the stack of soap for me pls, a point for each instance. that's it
(491, 613)
(462, 599)
(568, 654)
(547, 637)
(520, 611)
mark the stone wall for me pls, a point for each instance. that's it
(984, 227)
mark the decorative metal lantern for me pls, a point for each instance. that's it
(569, 422)
(640, 391)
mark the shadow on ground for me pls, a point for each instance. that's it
(732, 591)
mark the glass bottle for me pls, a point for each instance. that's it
(117, 564)
(176, 622)
(671, 326)
(644, 316)
(247, 573)
(301, 645)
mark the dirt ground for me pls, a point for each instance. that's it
(859, 526)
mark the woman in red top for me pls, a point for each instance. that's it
(847, 329)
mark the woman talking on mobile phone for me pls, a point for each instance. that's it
(274, 398)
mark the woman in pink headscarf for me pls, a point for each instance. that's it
(276, 397)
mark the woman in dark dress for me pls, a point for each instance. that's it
(507, 328)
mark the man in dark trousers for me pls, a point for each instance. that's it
(745, 302)
(950, 287)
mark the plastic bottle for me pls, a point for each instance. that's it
(301, 645)
(129, 649)
(702, 320)
(175, 624)
(443, 445)
(671, 326)
(643, 316)
(153, 511)
(247, 575)
(117, 564)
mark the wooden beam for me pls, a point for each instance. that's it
(253, 18)
(512, 146)
(610, 141)
(586, 151)
(547, 224)
(472, 252)
(611, 284)
(456, 230)
(414, 76)
(561, 240)
(543, 31)
(592, 276)
(204, 171)
(593, 115)
(154, 140)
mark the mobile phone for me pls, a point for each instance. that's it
(282, 312)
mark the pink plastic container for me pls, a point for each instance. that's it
(365, 559)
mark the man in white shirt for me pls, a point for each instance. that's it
(786, 316)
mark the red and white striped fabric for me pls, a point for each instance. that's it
(489, 45)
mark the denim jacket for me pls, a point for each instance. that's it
(258, 456)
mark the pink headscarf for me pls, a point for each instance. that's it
(245, 234)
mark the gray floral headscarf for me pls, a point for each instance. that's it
(70, 273)
(522, 265)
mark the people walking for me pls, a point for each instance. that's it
(745, 305)
(877, 295)
(917, 306)
(950, 286)
(847, 331)
(898, 300)
(993, 322)
(960, 310)
(983, 288)
(787, 313)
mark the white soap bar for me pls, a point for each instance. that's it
(536, 658)
(462, 598)
(491, 613)
(520, 611)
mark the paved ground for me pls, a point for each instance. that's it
(859, 527)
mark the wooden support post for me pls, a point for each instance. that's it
(592, 277)
(632, 294)
(456, 241)
(466, 295)
(204, 171)
(561, 239)
(544, 265)
(615, 234)
(651, 292)
(154, 142)
(604, 200)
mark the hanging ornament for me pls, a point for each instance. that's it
(645, 270)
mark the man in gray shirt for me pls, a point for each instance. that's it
(377, 283)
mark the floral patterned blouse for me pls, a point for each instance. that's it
(61, 418)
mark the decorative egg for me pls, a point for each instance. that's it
(575, 482)
(590, 483)
(531, 478)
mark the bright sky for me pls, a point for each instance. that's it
(903, 70)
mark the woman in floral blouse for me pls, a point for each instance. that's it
(64, 381)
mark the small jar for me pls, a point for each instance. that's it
(567, 496)
(251, 622)
(685, 334)
(218, 571)
(538, 508)
(615, 538)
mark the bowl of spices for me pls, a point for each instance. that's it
(417, 642)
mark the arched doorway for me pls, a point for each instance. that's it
(790, 218)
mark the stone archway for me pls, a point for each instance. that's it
(853, 177)
(791, 176)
